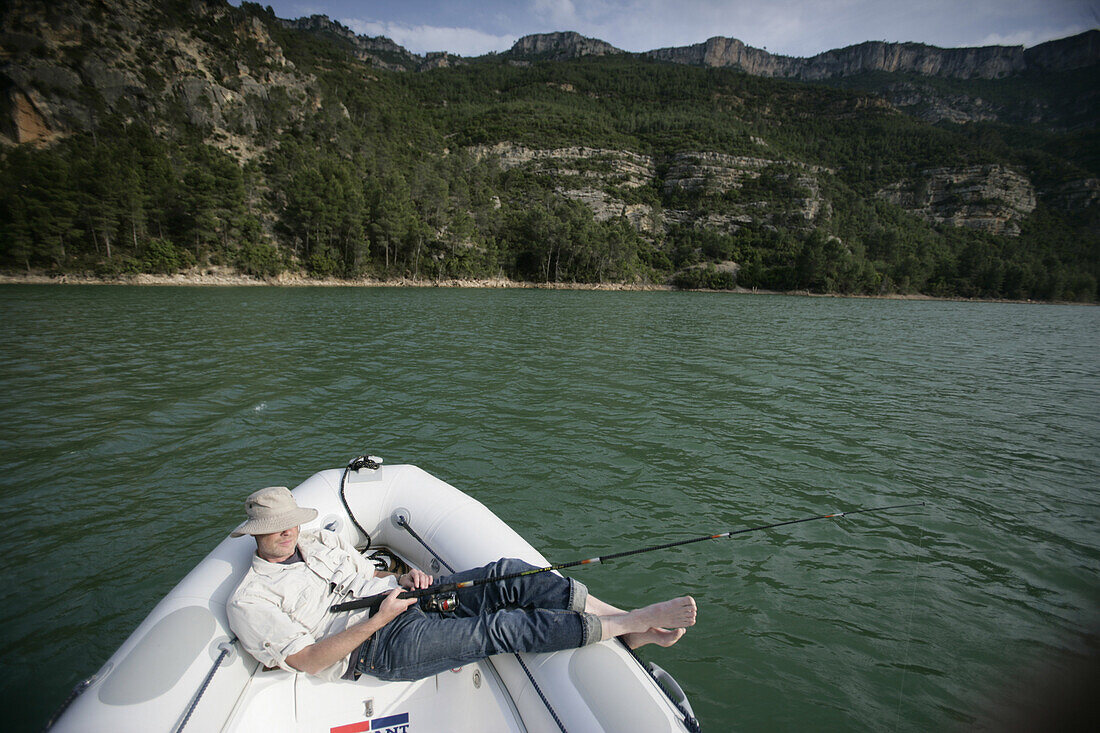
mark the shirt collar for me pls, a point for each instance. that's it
(265, 567)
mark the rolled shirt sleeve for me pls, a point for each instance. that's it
(266, 632)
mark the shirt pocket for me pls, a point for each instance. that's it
(300, 606)
(346, 577)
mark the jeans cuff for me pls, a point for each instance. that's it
(578, 595)
(592, 629)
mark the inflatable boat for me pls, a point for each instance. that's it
(182, 668)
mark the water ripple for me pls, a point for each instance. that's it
(135, 420)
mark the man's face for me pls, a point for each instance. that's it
(277, 545)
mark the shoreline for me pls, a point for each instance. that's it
(220, 277)
(233, 279)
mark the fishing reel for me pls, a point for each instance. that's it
(441, 602)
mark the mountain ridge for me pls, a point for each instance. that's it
(147, 136)
(908, 75)
(967, 62)
(962, 62)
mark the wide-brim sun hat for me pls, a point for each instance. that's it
(272, 510)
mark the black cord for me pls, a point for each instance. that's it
(205, 684)
(354, 465)
(403, 523)
(76, 691)
(690, 721)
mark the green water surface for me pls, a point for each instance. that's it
(133, 421)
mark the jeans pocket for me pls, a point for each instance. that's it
(366, 659)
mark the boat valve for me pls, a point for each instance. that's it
(444, 602)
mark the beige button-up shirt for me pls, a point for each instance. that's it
(279, 610)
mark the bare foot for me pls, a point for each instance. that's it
(676, 613)
(661, 637)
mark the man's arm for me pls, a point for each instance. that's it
(332, 649)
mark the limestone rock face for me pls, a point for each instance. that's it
(26, 123)
(619, 167)
(604, 206)
(792, 188)
(561, 46)
(378, 51)
(991, 198)
(46, 92)
(927, 103)
(929, 100)
(965, 63)
(988, 62)
(592, 176)
(76, 63)
(582, 172)
(712, 171)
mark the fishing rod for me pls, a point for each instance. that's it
(373, 602)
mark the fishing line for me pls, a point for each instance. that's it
(909, 627)
(376, 600)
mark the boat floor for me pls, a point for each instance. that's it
(467, 698)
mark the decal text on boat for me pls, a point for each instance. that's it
(390, 724)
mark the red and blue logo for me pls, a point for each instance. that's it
(389, 724)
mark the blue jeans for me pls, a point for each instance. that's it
(536, 613)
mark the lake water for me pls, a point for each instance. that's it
(133, 421)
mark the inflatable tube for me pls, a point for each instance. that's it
(180, 669)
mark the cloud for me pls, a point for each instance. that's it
(1029, 38)
(560, 14)
(423, 39)
(803, 28)
(788, 27)
(1019, 38)
(642, 25)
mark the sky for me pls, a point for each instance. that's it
(788, 27)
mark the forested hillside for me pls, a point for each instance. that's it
(158, 137)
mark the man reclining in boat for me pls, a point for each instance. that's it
(280, 611)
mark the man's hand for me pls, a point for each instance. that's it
(331, 649)
(414, 580)
(392, 607)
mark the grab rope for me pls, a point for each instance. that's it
(545, 701)
(226, 647)
(404, 524)
(369, 462)
(77, 690)
(690, 721)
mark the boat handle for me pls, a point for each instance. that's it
(672, 687)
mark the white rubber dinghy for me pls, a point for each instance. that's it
(182, 669)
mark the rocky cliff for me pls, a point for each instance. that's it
(986, 62)
(378, 51)
(897, 72)
(994, 83)
(64, 68)
(560, 46)
(752, 190)
(989, 62)
(776, 192)
(686, 156)
(990, 198)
